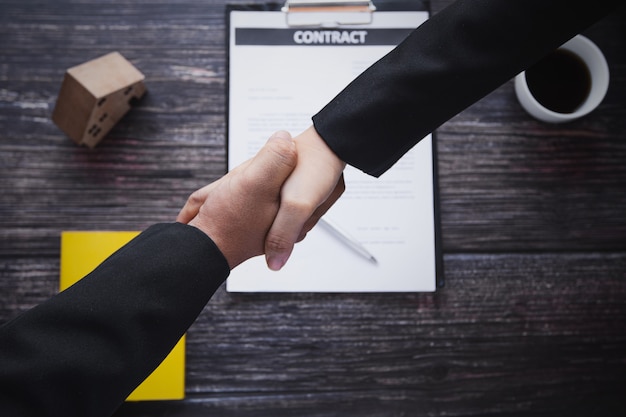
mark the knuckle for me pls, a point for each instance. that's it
(277, 243)
(284, 151)
(297, 208)
(194, 198)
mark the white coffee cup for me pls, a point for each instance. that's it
(598, 69)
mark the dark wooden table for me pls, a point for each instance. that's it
(531, 321)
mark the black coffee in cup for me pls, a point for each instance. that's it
(566, 85)
(560, 82)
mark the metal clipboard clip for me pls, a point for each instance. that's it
(328, 13)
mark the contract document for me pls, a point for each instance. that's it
(279, 77)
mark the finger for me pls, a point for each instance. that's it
(197, 198)
(288, 226)
(284, 233)
(193, 204)
(323, 208)
(272, 165)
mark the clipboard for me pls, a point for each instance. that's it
(267, 45)
(328, 13)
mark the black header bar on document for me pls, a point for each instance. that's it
(320, 37)
(328, 13)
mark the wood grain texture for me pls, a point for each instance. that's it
(511, 334)
(511, 183)
(531, 320)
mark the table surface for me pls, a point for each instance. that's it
(531, 321)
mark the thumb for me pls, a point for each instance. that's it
(271, 166)
(283, 234)
(291, 225)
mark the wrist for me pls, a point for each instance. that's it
(315, 143)
(216, 237)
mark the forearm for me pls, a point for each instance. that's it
(83, 351)
(451, 61)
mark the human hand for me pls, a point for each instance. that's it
(314, 186)
(237, 210)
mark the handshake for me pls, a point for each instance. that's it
(270, 202)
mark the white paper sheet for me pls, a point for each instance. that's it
(276, 85)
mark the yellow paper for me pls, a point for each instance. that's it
(81, 253)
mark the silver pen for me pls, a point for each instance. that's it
(346, 238)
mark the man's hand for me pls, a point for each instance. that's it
(314, 186)
(237, 210)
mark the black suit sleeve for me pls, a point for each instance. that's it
(451, 61)
(82, 352)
